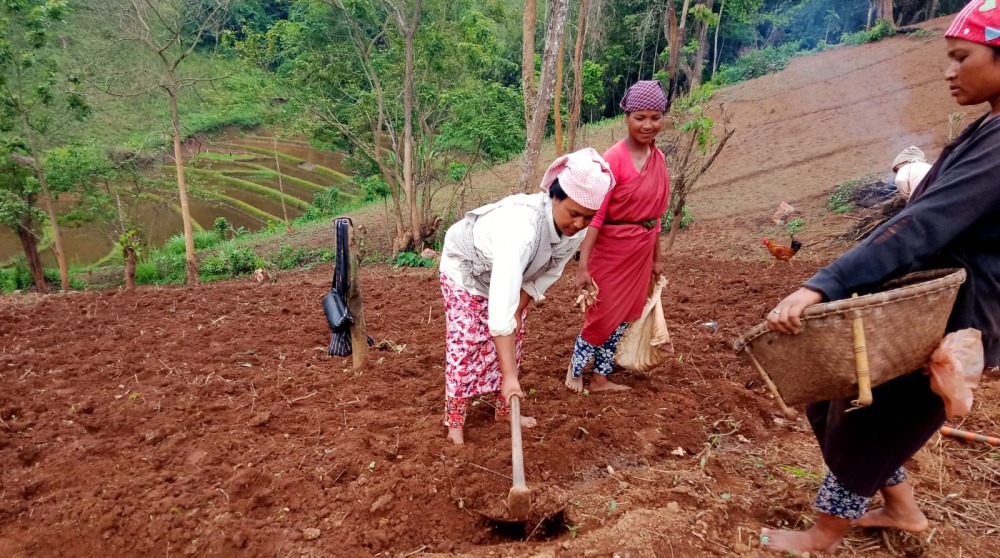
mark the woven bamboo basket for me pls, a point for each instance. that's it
(848, 346)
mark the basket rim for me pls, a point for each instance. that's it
(936, 280)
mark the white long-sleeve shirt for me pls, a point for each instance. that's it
(505, 237)
(909, 176)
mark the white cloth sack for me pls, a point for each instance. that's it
(646, 341)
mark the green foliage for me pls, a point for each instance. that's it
(373, 186)
(36, 95)
(756, 63)
(879, 31)
(701, 126)
(794, 226)
(668, 219)
(289, 257)
(222, 227)
(411, 259)
(147, 273)
(457, 171)
(241, 260)
(202, 240)
(52, 277)
(17, 277)
(841, 200)
(325, 204)
(487, 117)
(130, 240)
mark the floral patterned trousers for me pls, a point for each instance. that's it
(472, 368)
(603, 355)
(836, 499)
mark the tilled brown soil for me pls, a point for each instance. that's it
(210, 422)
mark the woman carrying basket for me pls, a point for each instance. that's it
(497, 259)
(621, 253)
(952, 220)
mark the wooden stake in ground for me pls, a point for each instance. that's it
(359, 337)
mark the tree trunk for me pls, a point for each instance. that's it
(932, 10)
(191, 261)
(529, 163)
(715, 49)
(528, 59)
(574, 115)
(50, 208)
(871, 11)
(557, 99)
(675, 31)
(885, 12)
(128, 253)
(698, 67)
(408, 188)
(29, 242)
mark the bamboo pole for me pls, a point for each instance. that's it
(861, 362)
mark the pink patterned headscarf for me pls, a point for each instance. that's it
(978, 22)
(584, 175)
(645, 95)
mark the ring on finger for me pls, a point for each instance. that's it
(776, 312)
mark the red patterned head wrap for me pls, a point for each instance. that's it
(584, 175)
(978, 22)
(645, 95)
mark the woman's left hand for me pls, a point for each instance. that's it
(657, 269)
(785, 318)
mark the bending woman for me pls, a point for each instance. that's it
(497, 259)
(621, 253)
(951, 220)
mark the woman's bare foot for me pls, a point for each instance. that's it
(824, 536)
(575, 384)
(457, 435)
(900, 511)
(894, 519)
(602, 383)
(526, 422)
(798, 543)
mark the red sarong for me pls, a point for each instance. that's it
(622, 260)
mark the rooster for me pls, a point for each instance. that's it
(781, 253)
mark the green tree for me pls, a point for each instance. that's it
(18, 212)
(166, 33)
(346, 64)
(110, 188)
(35, 99)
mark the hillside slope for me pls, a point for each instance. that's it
(827, 118)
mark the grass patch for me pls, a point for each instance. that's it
(213, 156)
(252, 187)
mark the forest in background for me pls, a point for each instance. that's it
(416, 93)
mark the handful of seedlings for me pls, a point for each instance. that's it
(587, 297)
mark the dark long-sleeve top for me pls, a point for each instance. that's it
(953, 222)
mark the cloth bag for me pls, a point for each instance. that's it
(956, 368)
(646, 341)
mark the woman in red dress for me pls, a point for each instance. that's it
(621, 252)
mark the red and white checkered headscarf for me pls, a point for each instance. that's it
(645, 95)
(978, 22)
(584, 175)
